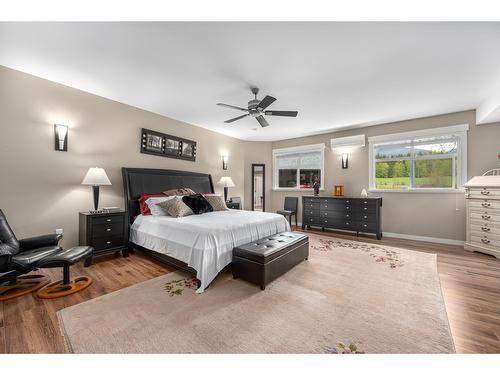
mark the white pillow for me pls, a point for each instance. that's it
(157, 210)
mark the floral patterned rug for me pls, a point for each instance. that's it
(350, 297)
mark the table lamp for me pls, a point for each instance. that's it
(96, 177)
(227, 183)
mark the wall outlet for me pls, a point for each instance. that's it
(59, 231)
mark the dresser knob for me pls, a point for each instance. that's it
(347, 207)
(365, 202)
(347, 215)
(485, 192)
(485, 229)
(108, 242)
(366, 208)
(485, 240)
(108, 230)
(366, 217)
(108, 220)
(347, 223)
(486, 217)
(485, 204)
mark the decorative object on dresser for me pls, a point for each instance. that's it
(338, 190)
(105, 232)
(96, 177)
(290, 209)
(345, 213)
(226, 182)
(161, 144)
(482, 195)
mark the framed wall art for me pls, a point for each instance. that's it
(161, 144)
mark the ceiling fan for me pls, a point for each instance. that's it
(256, 108)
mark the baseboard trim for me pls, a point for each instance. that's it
(446, 241)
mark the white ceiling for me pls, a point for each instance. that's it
(336, 75)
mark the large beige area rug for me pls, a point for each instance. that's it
(349, 297)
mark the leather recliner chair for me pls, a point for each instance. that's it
(19, 257)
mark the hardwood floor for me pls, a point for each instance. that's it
(470, 284)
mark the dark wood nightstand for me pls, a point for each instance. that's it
(234, 205)
(105, 232)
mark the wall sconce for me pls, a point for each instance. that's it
(224, 162)
(61, 137)
(345, 160)
(344, 145)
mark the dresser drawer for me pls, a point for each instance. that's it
(311, 212)
(367, 208)
(335, 214)
(100, 244)
(485, 216)
(311, 206)
(107, 230)
(484, 193)
(338, 223)
(367, 226)
(337, 206)
(484, 204)
(107, 220)
(485, 241)
(311, 200)
(485, 228)
(311, 220)
(367, 216)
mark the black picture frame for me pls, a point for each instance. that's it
(161, 144)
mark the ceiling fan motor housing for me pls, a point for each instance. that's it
(252, 107)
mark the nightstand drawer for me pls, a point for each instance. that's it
(105, 243)
(107, 220)
(107, 230)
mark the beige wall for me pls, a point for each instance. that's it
(421, 214)
(40, 188)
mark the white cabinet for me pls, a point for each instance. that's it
(482, 195)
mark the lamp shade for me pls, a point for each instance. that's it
(226, 182)
(96, 176)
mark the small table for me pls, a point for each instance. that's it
(106, 232)
(233, 205)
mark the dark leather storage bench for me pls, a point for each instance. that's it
(262, 261)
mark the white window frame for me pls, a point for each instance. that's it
(294, 150)
(459, 131)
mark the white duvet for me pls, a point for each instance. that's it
(205, 242)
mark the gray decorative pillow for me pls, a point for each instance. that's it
(181, 192)
(217, 202)
(176, 207)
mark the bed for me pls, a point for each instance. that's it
(200, 244)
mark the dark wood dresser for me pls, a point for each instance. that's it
(344, 213)
(105, 232)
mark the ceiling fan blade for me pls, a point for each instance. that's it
(266, 102)
(232, 106)
(262, 121)
(281, 113)
(237, 118)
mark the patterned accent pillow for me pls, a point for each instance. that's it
(181, 192)
(175, 207)
(153, 206)
(216, 201)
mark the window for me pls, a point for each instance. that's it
(424, 160)
(297, 168)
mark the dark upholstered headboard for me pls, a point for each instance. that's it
(138, 181)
